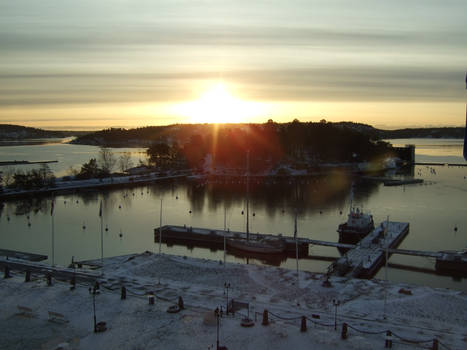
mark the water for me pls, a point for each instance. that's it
(433, 210)
(66, 154)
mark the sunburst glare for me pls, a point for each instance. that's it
(217, 104)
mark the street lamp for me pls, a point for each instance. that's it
(226, 288)
(218, 313)
(93, 291)
(336, 303)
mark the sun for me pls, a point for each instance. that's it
(218, 105)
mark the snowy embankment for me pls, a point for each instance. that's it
(71, 185)
(418, 314)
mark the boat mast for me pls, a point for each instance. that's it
(465, 135)
(247, 193)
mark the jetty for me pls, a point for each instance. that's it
(368, 256)
(214, 239)
(56, 272)
(22, 255)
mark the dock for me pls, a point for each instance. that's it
(214, 239)
(368, 256)
(440, 164)
(56, 272)
(22, 255)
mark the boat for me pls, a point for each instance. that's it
(358, 225)
(263, 246)
(450, 260)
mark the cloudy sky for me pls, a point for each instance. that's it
(90, 64)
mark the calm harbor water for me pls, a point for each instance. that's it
(130, 215)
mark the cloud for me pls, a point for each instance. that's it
(341, 83)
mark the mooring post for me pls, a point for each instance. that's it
(388, 342)
(344, 331)
(73, 282)
(151, 298)
(303, 325)
(265, 318)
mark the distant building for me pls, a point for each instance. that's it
(406, 153)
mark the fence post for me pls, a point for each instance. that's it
(303, 325)
(344, 331)
(265, 318)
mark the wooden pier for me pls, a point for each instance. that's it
(22, 255)
(369, 254)
(56, 272)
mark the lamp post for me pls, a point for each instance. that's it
(217, 313)
(336, 303)
(226, 291)
(93, 291)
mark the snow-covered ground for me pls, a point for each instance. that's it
(419, 314)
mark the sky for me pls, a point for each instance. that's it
(126, 63)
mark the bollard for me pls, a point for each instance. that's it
(344, 331)
(265, 318)
(49, 279)
(151, 298)
(27, 277)
(73, 282)
(435, 344)
(303, 325)
(123, 293)
(7, 272)
(388, 342)
(180, 303)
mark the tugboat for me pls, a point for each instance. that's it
(453, 261)
(358, 225)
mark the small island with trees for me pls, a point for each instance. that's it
(273, 149)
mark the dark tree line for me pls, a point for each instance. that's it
(270, 144)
